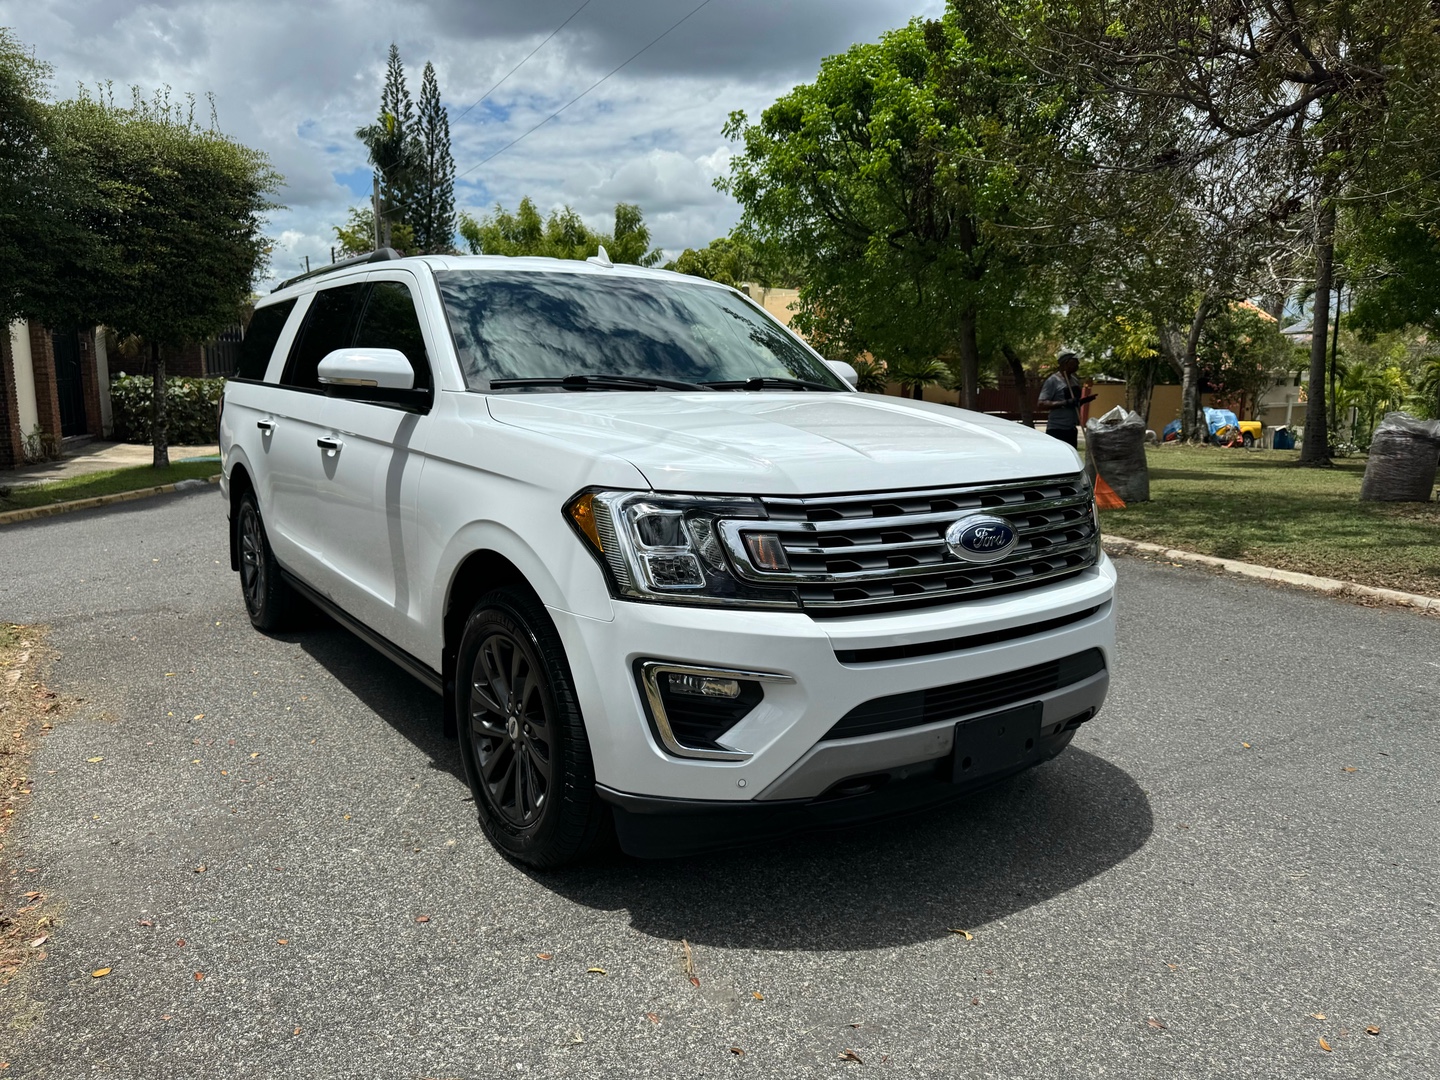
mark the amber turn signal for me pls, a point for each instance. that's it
(581, 512)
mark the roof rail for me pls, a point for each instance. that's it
(379, 255)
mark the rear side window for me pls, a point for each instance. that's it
(329, 325)
(260, 338)
(390, 322)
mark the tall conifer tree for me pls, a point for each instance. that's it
(434, 211)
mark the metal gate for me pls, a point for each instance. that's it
(69, 382)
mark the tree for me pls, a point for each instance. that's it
(893, 182)
(357, 235)
(433, 216)
(1339, 94)
(394, 150)
(179, 211)
(564, 235)
(736, 258)
(1241, 348)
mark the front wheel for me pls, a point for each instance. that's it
(522, 737)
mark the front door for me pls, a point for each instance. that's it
(69, 382)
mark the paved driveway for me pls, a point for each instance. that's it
(1161, 901)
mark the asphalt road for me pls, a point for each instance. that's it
(1160, 901)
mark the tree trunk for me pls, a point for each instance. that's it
(1192, 425)
(1022, 386)
(1335, 357)
(1140, 391)
(158, 415)
(918, 391)
(969, 362)
(1315, 451)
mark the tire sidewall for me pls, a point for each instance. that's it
(570, 764)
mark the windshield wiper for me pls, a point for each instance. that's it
(601, 382)
(770, 382)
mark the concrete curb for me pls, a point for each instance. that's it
(32, 513)
(1119, 545)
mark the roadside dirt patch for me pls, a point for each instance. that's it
(28, 711)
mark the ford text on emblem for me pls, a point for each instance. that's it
(981, 538)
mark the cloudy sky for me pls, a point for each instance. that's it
(295, 78)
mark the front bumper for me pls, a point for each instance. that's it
(831, 668)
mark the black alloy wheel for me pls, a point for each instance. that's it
(269, 601)
(510, 728)
(522, 736)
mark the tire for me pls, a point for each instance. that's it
(269, 601)
(1249, 441)
(522, 736)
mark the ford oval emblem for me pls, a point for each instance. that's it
(981, 538)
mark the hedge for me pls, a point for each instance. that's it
(190, 409)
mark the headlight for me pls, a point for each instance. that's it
(668, 547)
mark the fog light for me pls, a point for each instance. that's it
(704, 686)
(766, 551)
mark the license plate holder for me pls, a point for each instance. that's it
(993, 743)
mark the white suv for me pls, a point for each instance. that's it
(665, 566)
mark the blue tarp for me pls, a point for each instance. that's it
(1215, 419)
(1172, 431)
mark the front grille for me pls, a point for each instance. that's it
(920, 707)
(889, 549)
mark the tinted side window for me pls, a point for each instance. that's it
(390, 322)
(329, 325)
(260, 338)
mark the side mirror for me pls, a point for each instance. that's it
(845, 371)
(384, 369)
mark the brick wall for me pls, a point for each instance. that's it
(47, 394)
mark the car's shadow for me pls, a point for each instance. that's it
(891, 883)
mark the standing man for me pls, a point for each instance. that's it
(1062, 393)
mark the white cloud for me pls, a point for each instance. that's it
(296, 79)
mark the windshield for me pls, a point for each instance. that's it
(527, 325)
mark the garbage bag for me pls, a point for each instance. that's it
(1115, 449)
(1403, 456)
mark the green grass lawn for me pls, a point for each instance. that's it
(1258, 507)
(103, 483)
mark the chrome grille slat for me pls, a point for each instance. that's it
(888, 548)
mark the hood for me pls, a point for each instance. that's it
(788, 443)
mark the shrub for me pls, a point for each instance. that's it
(191, 405)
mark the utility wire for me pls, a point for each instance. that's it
(531, 53)
(674, 26)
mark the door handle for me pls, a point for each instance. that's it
(329, 445)
(267, 426)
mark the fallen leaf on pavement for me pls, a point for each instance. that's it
(757, 995)
(851, 1055)
(1325, 1046)
(737, 1051)
(39, 941)
(33, 894)
(1317, 1016)
(966, 934)
(1155, 1024)
(595, 971)
(1246, 745)
(652, 1017)
(99, 973)
(1372, 1030)
(146, 922)
(1350, 768)
(295, 1032)
(544, 956)
(975, 1001)
(282, 941)
(199, 976)
(201, 868)
(95, 760)
(422, 918)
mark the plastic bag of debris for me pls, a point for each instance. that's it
(1403, 456)
(1115, 449)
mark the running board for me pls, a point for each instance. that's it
(399, 657)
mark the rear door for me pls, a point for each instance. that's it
(298, 461)
(367, 524)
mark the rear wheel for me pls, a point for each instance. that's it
(269, 601)
(522, 737)
(1249, 440)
